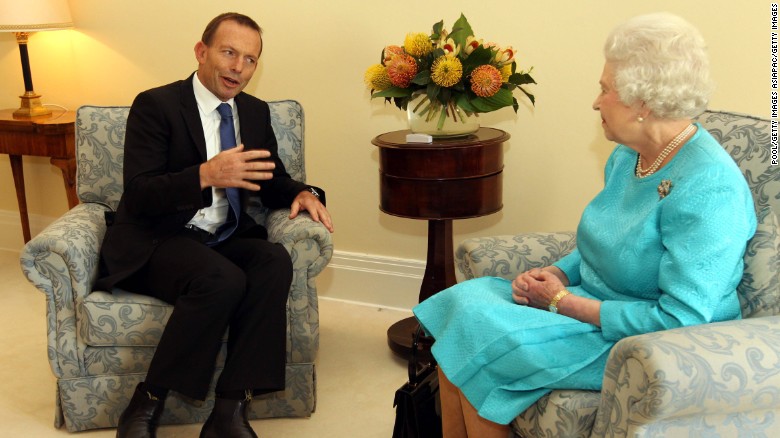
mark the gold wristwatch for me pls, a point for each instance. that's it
(553, 307)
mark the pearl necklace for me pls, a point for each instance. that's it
(641, 173)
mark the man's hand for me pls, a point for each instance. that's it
(237, 168)
(308, 202)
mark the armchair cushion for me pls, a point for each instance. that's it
(507, 256)
(141, 319)
(577, 408)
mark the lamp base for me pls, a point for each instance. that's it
(31, 106)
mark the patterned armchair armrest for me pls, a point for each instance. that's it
(301, 234)
(507, 256)
(719, 378)
(311, 247)
(62, 262)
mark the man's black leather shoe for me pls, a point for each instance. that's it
(140, 418)
(229, 419)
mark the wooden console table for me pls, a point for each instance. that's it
(45, 136)
(451, 178)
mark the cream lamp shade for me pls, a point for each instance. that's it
(23, 17)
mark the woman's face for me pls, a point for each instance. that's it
(617, 119)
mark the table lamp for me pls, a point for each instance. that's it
(23, 17)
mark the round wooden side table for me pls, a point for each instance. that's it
(450, 178)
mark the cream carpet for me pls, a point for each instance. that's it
(356, 372)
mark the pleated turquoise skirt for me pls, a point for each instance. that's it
(504, 356)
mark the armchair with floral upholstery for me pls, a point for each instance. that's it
(100, 343)
(714, 380)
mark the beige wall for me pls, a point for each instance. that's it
(316, 52)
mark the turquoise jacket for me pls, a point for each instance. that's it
(664, 262)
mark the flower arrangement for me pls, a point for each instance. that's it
(457, 74)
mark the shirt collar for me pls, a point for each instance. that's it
(207, 101)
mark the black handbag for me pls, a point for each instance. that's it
(418, 409)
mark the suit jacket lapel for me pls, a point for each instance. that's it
(191, 116)
(250, 129)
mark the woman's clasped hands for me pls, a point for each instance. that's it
(537, 287)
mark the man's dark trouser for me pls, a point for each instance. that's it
(241, 284)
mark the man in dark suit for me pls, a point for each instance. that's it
(179, 233)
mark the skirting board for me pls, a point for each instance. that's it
(360, 278)
(372, 280)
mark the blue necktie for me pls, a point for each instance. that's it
(227, 139)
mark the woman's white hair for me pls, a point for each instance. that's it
(660, 60)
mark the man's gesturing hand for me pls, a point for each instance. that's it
(236, 168)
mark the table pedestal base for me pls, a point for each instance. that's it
(399, 338)
(439, 275)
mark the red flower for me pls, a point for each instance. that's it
(401, 68)
(485, 80)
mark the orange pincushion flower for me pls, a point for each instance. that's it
(401, 69)
(391, 51)
(485, 80)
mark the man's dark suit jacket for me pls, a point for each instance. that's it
(164, 148)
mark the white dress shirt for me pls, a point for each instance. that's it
(210, 218)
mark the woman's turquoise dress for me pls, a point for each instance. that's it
(654, 263)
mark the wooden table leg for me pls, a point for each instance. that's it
(21, 198)
(68, 168)
(439, 275)
(440, 264)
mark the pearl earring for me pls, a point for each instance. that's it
(640, 119)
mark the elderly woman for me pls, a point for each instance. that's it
(659, 247)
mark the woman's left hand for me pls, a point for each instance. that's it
(536, 288)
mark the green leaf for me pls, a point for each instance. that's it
(422, 78)
(480, 56)
(521, 79)
(401, 103)
(530, 96)
(499, 100)
(465, 103)
(436, 34)
(393, 92)
(445, 95)
(432, 90)
(461, 30)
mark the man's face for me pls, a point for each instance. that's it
(227, 64)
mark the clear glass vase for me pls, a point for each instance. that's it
(437, 120)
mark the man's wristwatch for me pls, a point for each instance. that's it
(553, 307)
(314, 192)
